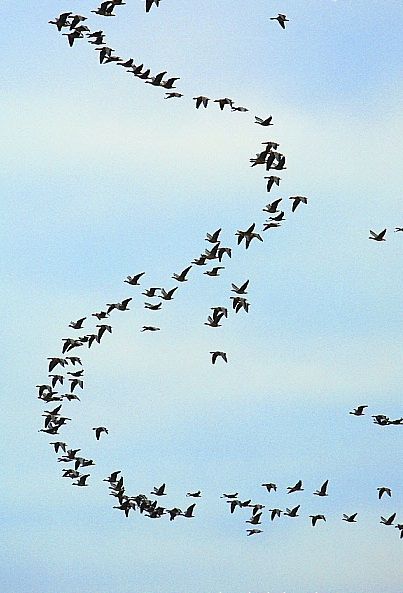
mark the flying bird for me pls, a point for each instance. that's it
(272, 180)
(77, 324)
(383, 490)
(377, 236)
(99, 430)
(358, 411)
(213, 238)
(264, 122)
(240, 289)
(298, 200)
(134, 280)
(316, 518)
(350, 518)
(296, 488)
(281, 18)
(159, 491)
(216, 354)
(292, 512)
(270, 486)
(182, 276)
(322, 490)
(201, 101)
(389, 520)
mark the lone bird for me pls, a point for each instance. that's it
(182, 276)
(389, 520)
(201, 101)
(349, 518)
(240, 289)
(264, 122)
(292, 512)
(99, 430)
(253, 531)
(159, 491)
(134, 280)
(383, 490)
(272, 180)
(81, 480)
(281, 18)
(322, 490)
(296, 488)
(216, 354)
(377, 236)
(77, 324)
(298, 200)
(270, 486)
(316, 518)
(359, 411)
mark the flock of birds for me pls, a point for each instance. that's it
(67, 370)
(257, 508)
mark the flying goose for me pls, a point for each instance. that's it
(322, 490)
(216, 354)
(134, 280)
(378, 236)
(281, 18)
(182, 276)
(358, 411)
(99, 430)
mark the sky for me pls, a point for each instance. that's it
(102, 178)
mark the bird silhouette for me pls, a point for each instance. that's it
(99, 430)
(377, 236)
(281, 18)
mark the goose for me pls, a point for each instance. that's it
(389, 520)
(322, 490)
(281, 18)
(201, 101)
(99, 430)
(253, 531)
(159, 491)
(292, 512)
(216, 354)
(378, 236)
(349, 518)
(134, 280)
(270, 486)
(383, 490)
(316, 518)
(81, 481)
(77, 324)
(272, 180)
(296, 488)
(358, 411)
(182, 276)
(298, 200)
(153, 307)
(240, 289)
(214, 272)
(213, 238)
(167, 295)
(264, 122)
(275, 513)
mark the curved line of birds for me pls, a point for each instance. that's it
(54, 420)
(73, 22)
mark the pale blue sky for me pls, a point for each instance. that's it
(101, 178)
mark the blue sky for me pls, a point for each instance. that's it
(102, 178)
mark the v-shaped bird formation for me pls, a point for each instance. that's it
(66, 370)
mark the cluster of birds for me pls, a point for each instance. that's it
(255, 520)
(273, 161)
(141, 502)
(379, 419)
